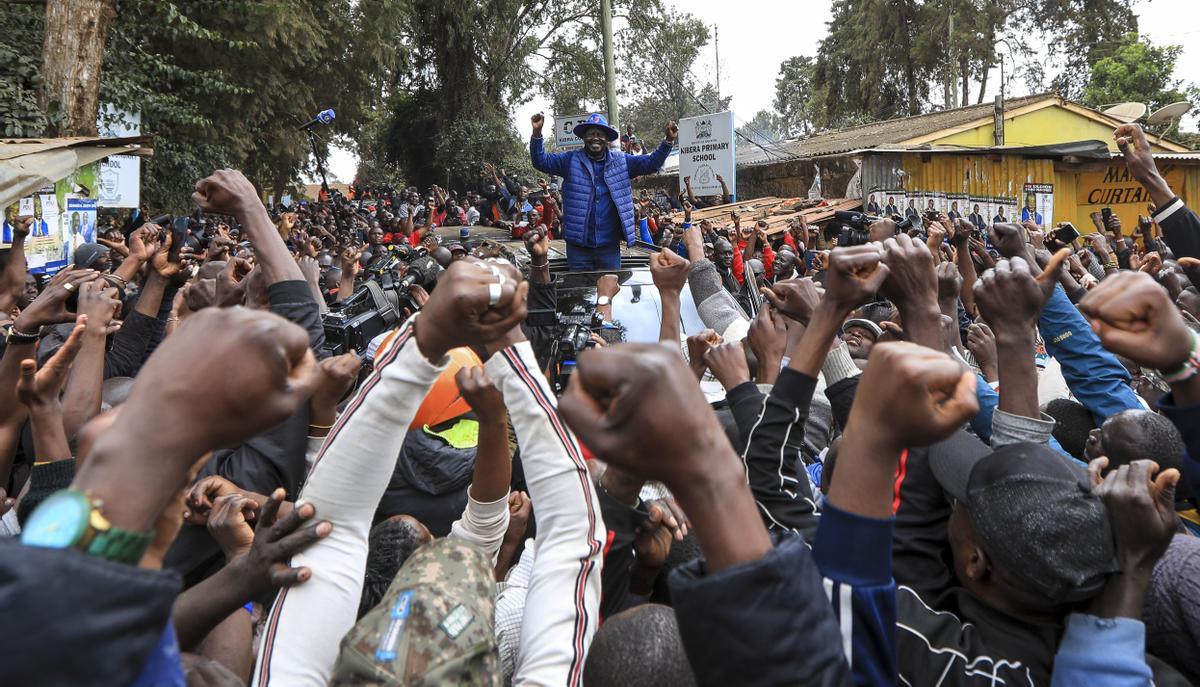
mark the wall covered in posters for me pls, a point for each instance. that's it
(64, 214)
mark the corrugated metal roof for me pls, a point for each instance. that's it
(1187, 157)
(876, 134)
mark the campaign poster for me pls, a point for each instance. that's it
(892, 202)
(81, 221)
(1003, 210)
(1038, 204)
(52, 238)
(957, 205)
(706, 151)
(914, 205)
(936, 201)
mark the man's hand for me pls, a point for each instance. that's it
(795, 298)
(350, 258)
(1134, 317)
(610, 404)
(335, 377)
(475, 303)
(310, 268)
(949, 284)
(1009, 240)
(230, 285)
(911, 280)
(1010, 298)
(203, 494)
(21, 227)
(180, 385)
(162, 263)
(50, 307)
(728, 364)
(481, 394)
(652, 541)
(537, 120)
(144, 242)
(919, 395)
(1151, 264)
(768, 340)
(608, 285)
(1141, 510)
(669, 271)
(266, 566)
(229, 524)
(961, 232)
(698, 346)
(40, 388)
(226, 192)
(672, 132)
(1132, 142)
(100, 304)
(982, 344)
(537, 243)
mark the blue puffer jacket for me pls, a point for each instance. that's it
(576, 170)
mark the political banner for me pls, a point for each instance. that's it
(1038, 204)
(706, 151)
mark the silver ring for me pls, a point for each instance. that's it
(503, 279)
(69, 287)
(493, 294)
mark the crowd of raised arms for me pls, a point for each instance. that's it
(945, 456)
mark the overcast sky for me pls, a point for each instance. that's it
(755, 36)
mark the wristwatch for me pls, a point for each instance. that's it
(71, 519)
(603, 300)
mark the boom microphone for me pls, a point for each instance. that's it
(323, 117)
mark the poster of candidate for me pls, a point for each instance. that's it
(1038, 204)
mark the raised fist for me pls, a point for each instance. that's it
(919, 395)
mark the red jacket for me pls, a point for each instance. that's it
(738, 262)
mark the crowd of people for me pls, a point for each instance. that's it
(950, 455)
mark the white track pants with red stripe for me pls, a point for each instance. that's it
(307, 622)
(562, 608)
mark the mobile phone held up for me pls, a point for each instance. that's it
(179, 232)
(1066, 233)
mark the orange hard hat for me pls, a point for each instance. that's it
(444, 402)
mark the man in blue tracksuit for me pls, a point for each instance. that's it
(597, 190)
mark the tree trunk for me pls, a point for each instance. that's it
(72, 55)
(983, 73)
(964, 67)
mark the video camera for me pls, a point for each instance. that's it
(569, 325)
(855, 229)
(380, 301)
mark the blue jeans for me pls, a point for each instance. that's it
(582, 259)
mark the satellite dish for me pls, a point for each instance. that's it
(1169, 114)
(1127, 112)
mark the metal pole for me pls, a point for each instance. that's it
(610, 68)
(717, 51)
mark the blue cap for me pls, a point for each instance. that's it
(464, 232)
(597, 120)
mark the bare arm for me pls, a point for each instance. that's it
(12, 280)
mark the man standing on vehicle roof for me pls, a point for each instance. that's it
(597, 190)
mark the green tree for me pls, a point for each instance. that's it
(764, 128)
(1135, 71)
(793, 93)
(866, 66)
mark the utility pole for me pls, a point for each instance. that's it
(717, 51)
(610, 69)
(951, 64)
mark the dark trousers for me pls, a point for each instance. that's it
(582, 259)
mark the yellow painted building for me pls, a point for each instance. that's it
(1061, 149)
